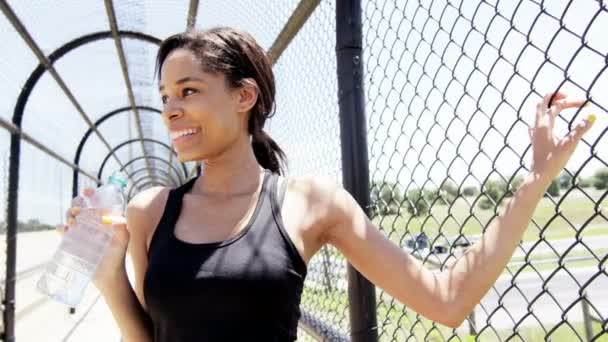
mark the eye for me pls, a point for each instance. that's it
(164, 99)
(188, 91)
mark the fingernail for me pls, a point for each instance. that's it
(586, 105)
(106, 220)
(591, 118)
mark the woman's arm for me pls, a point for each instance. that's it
(125, 302)
(448, 296)
(133, 322)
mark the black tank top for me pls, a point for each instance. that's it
(246, 288)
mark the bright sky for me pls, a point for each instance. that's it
(410, 115)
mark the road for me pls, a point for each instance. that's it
(547, 295)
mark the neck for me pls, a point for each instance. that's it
(235, 171)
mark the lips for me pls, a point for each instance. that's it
(182, 135)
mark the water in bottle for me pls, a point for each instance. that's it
(82, 247)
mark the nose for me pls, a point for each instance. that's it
(172, 110)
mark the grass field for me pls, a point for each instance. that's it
(463, 218)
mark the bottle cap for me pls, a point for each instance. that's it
(119, 178)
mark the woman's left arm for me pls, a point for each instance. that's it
(448, 296)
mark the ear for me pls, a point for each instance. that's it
(247, 95)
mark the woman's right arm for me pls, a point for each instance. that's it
(126, 302)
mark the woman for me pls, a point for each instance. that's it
(223, 257)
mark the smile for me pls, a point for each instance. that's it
(184, 135)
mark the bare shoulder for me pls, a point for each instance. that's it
(313, 186)
(322, 199)
(322, 190)
(145, 209)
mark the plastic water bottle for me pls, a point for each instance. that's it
(82, 247)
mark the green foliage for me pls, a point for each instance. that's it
(600, 179)
(470, 191)
(430, 195)
(415, 203)
(448, 192)
(33, 225)
(554, 189)
(515, 184)
(565, 180)
(386, 197)
(585, 182)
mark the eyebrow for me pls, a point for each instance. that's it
(182, 80)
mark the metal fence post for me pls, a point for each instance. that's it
(587, 320)
(355, 164)
(11, 239)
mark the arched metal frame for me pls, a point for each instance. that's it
(15, 161)
(291, 28)
(166, 175)
(121, 145)
(88, 133)
(171, 166)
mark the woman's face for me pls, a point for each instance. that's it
(203, 115)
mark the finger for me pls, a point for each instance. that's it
(579, 130)
(539, 113)
(546, 100)
(88, 192)
(75, 211)
(61, 229)
(561, 105)
(556, 97)
(71, 221)
(78, 201)
(68, 214)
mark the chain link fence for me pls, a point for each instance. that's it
(306, 126)
(451, 90)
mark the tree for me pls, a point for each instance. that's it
(600, 179)
(32, 225)
(415, 203)
(494, 191)
(386, 197)
(515, 184)
(553, 189)
(565, 180)
(430, 195)
(585, 182)
(448, 192)
(470, 191)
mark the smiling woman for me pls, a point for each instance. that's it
(232, 74)
(224, 256)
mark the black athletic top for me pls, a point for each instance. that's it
(246, 288)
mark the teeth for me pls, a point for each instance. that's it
(181, 133)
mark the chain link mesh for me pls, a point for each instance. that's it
(307, 108)
(451, 88)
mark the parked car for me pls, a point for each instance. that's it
(439, 249)
(420, 242)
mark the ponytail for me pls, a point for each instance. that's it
(267, 152)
